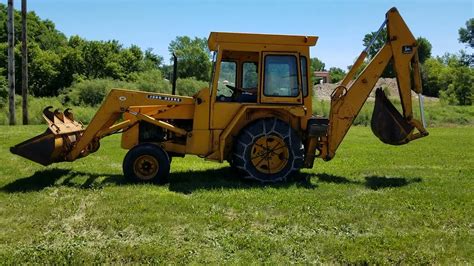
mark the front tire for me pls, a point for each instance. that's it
(268, 150)
(146, 163)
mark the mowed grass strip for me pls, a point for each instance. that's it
(372, 203)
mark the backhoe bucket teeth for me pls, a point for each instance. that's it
(387, 123)
(54, 144)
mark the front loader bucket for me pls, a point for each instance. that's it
(39, 149)
(52, 145)
(387, 123)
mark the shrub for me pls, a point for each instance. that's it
(36, 106)
(151, 80)
(190, 86)
(447, 77)
(336, 74)
(92, 92)
(3, 91)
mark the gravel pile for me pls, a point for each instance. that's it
(323, 91)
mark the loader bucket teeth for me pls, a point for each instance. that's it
(39, 149)
(48, 114)
(59, 115)
(387, 123)
(69, 114)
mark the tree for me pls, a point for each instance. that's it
(72, 61)
(449, 79)
(435, 77)
(151, 60)
(466, 35)
(317, 65)
(44, 72)
(336, 74)
(55, 61)
(463, 84)
(466, 58)
(193, 57)
(424, 49)
(40, 31)
(379, 42)
(131, 59)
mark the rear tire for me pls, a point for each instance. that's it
(146, 163)
(268, 150)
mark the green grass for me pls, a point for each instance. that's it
(371, 204)
(36, 106)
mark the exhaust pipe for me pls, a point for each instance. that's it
(175, 73)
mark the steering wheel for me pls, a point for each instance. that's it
(238, 90)
(232, 88)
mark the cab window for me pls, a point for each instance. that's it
(281, 76)
(227, 76)
(249, 75)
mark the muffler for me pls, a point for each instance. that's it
(54, 144)
(387, 123)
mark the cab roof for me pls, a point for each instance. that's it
(216, 38)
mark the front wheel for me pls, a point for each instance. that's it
(268, 150)
(146, 163)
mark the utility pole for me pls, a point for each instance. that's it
(11, 63)
(24, 63)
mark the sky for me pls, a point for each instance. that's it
(340, 24)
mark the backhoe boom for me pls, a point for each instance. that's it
(347, 100)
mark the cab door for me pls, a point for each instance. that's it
(281, 78)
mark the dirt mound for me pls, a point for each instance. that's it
(323, 91)
(389, 85)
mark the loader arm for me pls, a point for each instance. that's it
(348, 99)
(116, 103)
(67, 140)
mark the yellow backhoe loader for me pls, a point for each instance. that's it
(256, 113)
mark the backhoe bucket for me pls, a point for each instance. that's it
(387, 123)
(54, 144)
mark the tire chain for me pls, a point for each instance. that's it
(297, 153)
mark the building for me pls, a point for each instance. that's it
(321, 77)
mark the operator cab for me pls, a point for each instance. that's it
(260, 68)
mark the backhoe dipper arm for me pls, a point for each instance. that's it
(115, 104)
(346, 102)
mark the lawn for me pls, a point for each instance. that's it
(372, 203)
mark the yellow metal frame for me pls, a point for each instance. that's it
(215, 124)
(346, 102)
(118, 102)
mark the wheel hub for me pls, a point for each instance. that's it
(146, 167)
(269, 154)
